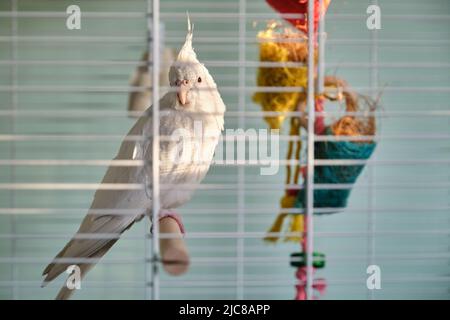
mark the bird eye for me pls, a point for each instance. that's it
(199, 79)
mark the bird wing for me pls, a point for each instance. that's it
(112, 224)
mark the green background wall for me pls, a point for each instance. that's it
(408, 204)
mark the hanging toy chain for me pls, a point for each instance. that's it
(299, 260)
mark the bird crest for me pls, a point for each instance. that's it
(187, 53)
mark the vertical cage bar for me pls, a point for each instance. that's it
(371, 221)
(310, 151)
(12, 150)
(153, 32)
(240, 250)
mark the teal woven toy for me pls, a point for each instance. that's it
(353, 124)
(336, 198)
(348, 125)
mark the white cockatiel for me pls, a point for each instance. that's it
(194, 102)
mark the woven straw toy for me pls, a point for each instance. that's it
(348, 125)
(289, 48)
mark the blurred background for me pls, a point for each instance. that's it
(64, 95)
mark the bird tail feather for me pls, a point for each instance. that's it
(54, 269)
(65, 292)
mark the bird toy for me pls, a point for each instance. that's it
(299, 7)
(289, 49)
(348, 125)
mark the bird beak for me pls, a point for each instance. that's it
(182, 92)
